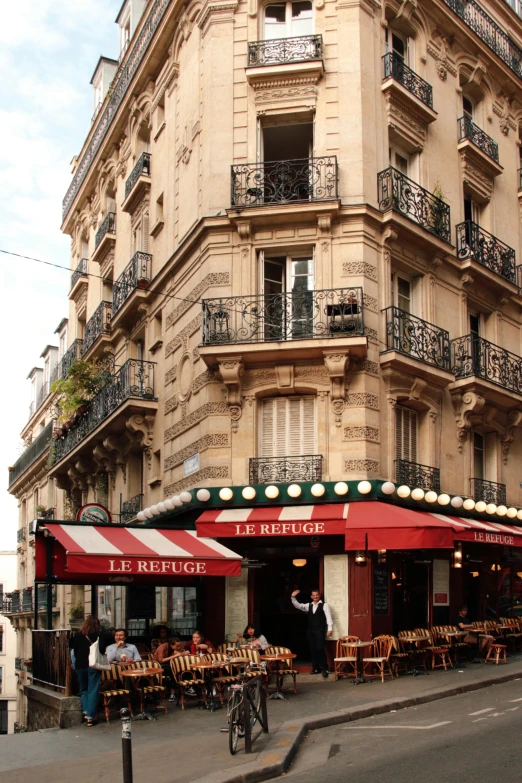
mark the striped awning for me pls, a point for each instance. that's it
(316, 520)
(132, 554)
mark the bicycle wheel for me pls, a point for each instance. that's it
(234, 721)
(254, 692)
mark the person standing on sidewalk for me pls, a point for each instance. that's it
(89, 679)
(320, 623)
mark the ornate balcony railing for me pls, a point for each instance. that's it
(74, 352)
(396, 68)
(99, 323)
(520, 179)
(477, 243)
(6, 606)
(16, 603)
(473, 356)
(141, 167)
(43, 393)
(268, 470)
(302, 315)
(80, 270)
(42, 597)
(285, 50)
(134, 380)
(129, 508)
(118, 91)
(489, 32)
(31, 454)
(20, 535)
(468, 130)
(398, 192)
(415, 475)
(19, 664)
(108, 226)
(488, 491)
(137, 274)
(413, 336)
(284, 181)
(27, 599)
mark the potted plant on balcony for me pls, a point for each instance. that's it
(40, 512)
(84, 379)
(76, 615)
(142, 282)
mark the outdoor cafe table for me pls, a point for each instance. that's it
(359, 645)
(411, 640)
(452, 637)
(278, 659)
(134, 676)
(207, 668)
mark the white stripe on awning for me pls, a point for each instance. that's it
(234, 515)
(90, 540)
(299, 513)
(159, 544)
(215, 545)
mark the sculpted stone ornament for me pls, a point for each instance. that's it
(464, 406)
(231, 371)
(336, 365)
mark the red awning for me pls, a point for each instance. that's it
(320, 520)
(131, 554)
(385, 526)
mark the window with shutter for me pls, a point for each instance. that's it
(490, 456)
(478, 456)
(287, 426)
(405, 434)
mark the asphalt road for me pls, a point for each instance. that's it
(468, 738)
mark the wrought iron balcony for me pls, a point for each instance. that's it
(477, 243)
(27, 599)
(285, 50)
(489, 32)
(20, 535)
(129, 508)
(42, 394)
(142, 168)
(31, 454)
(134, 380)
(284, 181)
(417, 338)
(396, 68)
(488, 491)
(137, 274)
(472, 356)
(398, 192)
(108, 226)
(118, 91)
(415, 475)
(80, 270)
(73, 353)
(99, 323)
(6, 605)
(468, 130)
(268, 470)
(42, 597)
(19, 664)
(304, 315)
(16, 602)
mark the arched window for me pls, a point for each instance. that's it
(289, 19)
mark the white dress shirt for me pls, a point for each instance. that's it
(306, 608)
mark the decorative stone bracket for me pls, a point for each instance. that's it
(231, 371)
(465, 405)
(336, 366)
(507, 437)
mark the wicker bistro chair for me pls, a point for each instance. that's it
(222, 648)
(284, 670)
(186, 676)
(253, 657)
(112, 689)
(407, 647)
(439, 653)
(345, 661)
(146, 689)
(461, 649)
(142, 648)
(382, 646)
(512, 635)
(399, 657)
(222, 681)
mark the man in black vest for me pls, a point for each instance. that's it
(319, 623)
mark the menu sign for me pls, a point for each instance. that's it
(236, 597)
(381, 603)
(336, 592)
(441, 579)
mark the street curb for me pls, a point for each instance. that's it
(284, 744)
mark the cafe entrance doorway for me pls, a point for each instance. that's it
(279, 621)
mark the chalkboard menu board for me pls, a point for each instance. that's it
(141, 602)
(380, 590)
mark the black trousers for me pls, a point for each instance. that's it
(316, 643)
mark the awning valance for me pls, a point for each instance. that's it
(316, 520)
(114, 553)
(385, 526)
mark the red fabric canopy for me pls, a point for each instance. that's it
(317, 520)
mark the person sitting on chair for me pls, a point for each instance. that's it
(166, 653)
(199, 645)
(463, 623)
(121, 651)
(251, 638)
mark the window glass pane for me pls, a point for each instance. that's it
(302, 275)
(478, 456)
(275, 21)
(182, 610)
(467, 107)
(401, 163)
(398, 45)
(403, 294)
(302, 19)
(274, 277)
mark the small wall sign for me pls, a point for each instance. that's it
(191, 465)
(94, 514)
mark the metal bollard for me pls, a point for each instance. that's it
(126, 745)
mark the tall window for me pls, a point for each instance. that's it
(288, 20)
(399, 160)
(467, 107)
(402, 292)
(2, 631)
(1, 678)
(479, 467)
(484, 456)
(287, 427)
(405, 434)
(287, 284)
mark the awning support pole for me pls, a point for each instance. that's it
(49, 581)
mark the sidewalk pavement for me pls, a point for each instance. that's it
(187, 746)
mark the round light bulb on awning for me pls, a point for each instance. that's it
(430, 497)
(272, 492)
(176, 500)
(162, 507)
(480, 506)
(512, 512)
(185, 497)
(169, 505)
(417, 494)
(404, 491)
(154, 511)
(317, 490)
(140, 516)
(364, 487)
(457, 501)
(443, 500)
(294, 490)
(341, 488)
(501, 511)
(388, 488)
(225, 493)
(248, 493)
(491, 508)
(469, 504)
(203, 495)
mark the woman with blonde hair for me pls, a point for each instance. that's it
(89, 679)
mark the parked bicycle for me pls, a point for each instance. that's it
(246, 706)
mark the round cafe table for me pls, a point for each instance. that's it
(134, 676)
(412, 641)
(278, 659)
(359, 645)
(207, 668)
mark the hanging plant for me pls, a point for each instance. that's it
(84, 379)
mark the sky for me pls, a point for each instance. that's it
(48, 52)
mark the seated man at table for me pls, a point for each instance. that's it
(121, 651)
(463, 623)
(164, 654)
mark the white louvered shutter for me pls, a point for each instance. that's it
(490, 456)
(145, 233)
(267, 428)
(287, 427)
(405, 434)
